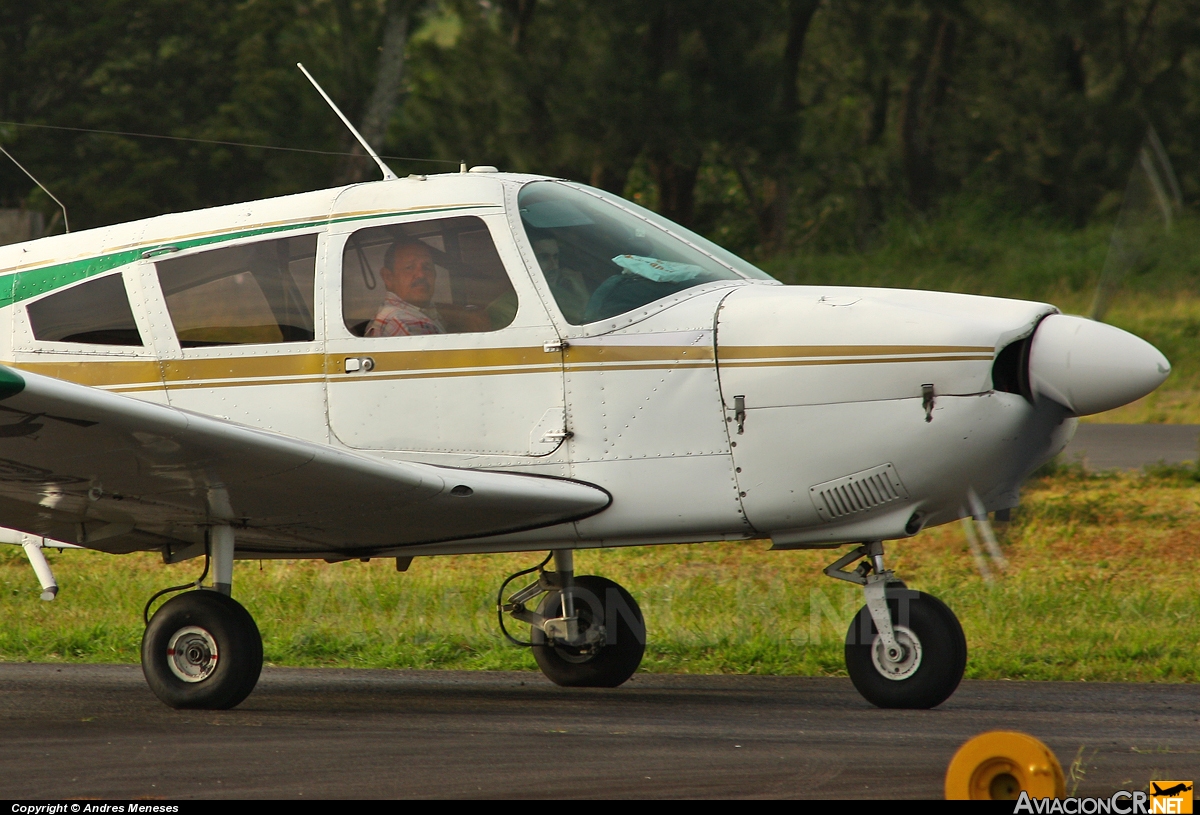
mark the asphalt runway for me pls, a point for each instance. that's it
(96, 731)
(1132, 446)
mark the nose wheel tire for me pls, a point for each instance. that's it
(932, 659)
(603, 664)
(202, 650)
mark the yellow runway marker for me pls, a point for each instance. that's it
(999, 764)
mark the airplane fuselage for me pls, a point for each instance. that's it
(732, 409)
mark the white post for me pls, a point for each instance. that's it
(221, 548)
(33, 551)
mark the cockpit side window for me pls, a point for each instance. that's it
(95, 312)
(601, 260)
(437, 276)
(242, 295)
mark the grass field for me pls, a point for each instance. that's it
(1099, 589)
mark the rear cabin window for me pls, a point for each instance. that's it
(440, 276)
(255, 293)
(95, 312)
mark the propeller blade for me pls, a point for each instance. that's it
(979, 512)
(976, 551)
(1152, 199)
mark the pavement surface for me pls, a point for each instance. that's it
(96, 731)
(1132, 446)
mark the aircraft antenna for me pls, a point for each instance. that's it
(66, 224)
(388, 175)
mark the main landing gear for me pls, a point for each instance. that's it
(587, 631)
(904, 649)
(202, 649)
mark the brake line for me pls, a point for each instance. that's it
(500, 601)
(194, 584)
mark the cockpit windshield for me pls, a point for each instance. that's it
(603, 256)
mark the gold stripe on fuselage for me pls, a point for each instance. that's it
(134, 376)
(774, 363)
(98, 373)
(731, 352)
(773, 356)
(219, 369)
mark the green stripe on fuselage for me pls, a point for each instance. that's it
(23, 285)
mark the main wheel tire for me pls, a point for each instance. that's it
(935, 653)
(609, 663)
(202, 650)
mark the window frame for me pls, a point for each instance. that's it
(611, 324)
(25, 340)
(530, 308)
(166, 324)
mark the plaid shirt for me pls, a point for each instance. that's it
(398, 318)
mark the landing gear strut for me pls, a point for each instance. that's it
(202, 649)
(587, 631)
(904, 649)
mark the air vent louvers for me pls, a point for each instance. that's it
(857, 492)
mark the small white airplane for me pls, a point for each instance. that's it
(488, 362)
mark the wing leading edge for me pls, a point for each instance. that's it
(116, 474)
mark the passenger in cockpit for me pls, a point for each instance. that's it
(409, 274)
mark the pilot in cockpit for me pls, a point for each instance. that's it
(567, 286)
(409, 274)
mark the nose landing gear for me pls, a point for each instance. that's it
(587, 631)
(904, 649)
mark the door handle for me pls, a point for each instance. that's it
(355, 364)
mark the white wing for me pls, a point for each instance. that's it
(113, 473)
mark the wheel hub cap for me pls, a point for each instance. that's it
(192, 654)
(910, 655)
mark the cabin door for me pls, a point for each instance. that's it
(438, 345)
